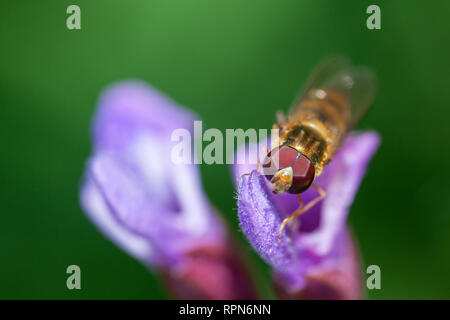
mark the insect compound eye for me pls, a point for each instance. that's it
(303, 174)
(278, 158)
(303, 170)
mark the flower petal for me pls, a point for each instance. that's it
(132, 172)
(260, 223)
(94, 205)
(132, 107)
(341, 180)
(316, 244)
(341, 280)
(153, 208)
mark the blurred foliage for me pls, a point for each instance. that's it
(234, 62)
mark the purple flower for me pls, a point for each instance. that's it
(320, 259)
(152, 208)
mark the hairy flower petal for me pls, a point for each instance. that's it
(317, 244)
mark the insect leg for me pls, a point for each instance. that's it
(266, 151)
(302, 209)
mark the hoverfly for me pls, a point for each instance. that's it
(333, 101)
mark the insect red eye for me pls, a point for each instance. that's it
(279, 158)
(303, 170)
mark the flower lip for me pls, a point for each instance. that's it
(320, 246)
(153, 208)
(146, 208)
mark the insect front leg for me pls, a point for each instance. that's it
(263, 153)
(302, 209)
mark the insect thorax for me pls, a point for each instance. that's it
(317, 126)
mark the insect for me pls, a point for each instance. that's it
(335, 98)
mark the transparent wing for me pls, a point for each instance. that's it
(355, 84)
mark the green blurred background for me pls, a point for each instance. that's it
(235, 62)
